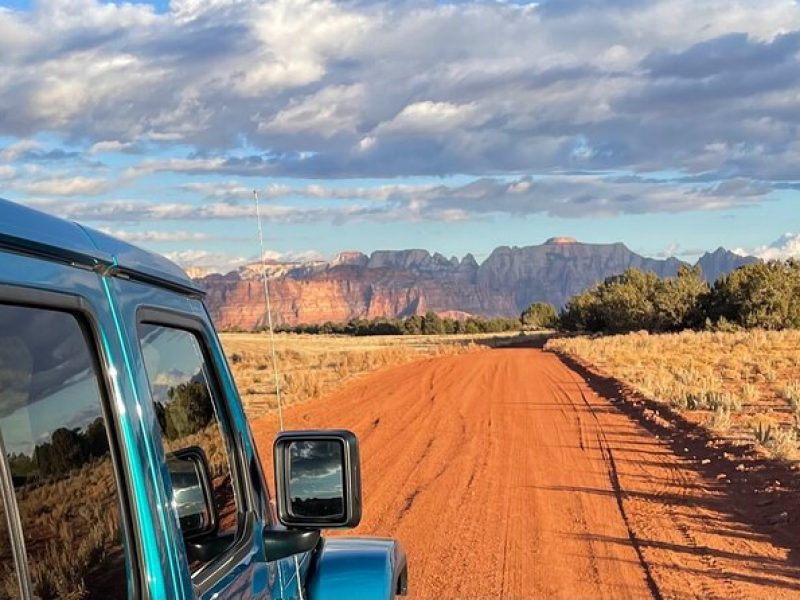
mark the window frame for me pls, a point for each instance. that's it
(210, 574)
(19, 553)
(80, 308)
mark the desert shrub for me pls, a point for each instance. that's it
(679, 401)
(750, 393)
(783, 445)
(540, 315)
(778, 442)
(626, 301)
(762, 294)
(677, 301)
(764, 430)
(582, 313)
(302, 385)
(791, 393)
(428, 324)
(708, 371)
(188, 411)
(720, 325)
(723, 401)
(638, 300)
(412, 325)
(432, 324)
(720, 421)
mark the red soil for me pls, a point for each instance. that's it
(505, 476)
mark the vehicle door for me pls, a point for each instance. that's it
(193, 403)
(77, 518)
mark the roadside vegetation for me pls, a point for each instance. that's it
(311, 365)
(428, 324)
(742, 385)
(69, 537)
(763, 295)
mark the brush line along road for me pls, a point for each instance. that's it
(505, 476)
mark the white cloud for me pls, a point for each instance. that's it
(66, 186)
(367, 89)
(786, 246)
(115, 211)
(220, 190)
(200, 262)
(324, 90)
(155, 236)
(330, 111)
(204, 260)
(570, 196)
(431, 118)
(17, 149)
(297, 40)
(298, 256)
(105, 146)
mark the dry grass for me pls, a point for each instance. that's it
(311, 365)
(72, 524)
(72, 528)
(743, 386)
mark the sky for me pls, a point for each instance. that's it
(457, 127)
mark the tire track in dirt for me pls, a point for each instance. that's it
(613, 477)
(505, 476)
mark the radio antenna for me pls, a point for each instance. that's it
(269, 312)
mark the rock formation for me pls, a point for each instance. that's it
(407, 282)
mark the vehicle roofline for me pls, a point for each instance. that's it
(29, 231)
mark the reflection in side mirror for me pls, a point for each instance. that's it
(191, 488)
(318, 479)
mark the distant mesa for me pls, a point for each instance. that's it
(560, 241)
(350, 258)
(401, 283)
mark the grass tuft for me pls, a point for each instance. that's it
(719, 379)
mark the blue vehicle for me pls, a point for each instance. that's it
(127, 466)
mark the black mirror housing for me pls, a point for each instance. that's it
(318, 479)
(191, 487)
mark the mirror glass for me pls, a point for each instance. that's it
(316, 478)
(188, 494)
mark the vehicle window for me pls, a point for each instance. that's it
(189, 414)
(57, 448)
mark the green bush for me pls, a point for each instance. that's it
(764, 295)
(432, 324)
(188, 411)
(540, 315)
(638, 300)
(429, 324)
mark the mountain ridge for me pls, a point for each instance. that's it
(400, 283)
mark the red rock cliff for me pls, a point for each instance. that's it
(408, 282)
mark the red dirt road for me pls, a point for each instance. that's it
(505, 476)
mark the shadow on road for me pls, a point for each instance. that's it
(761, 492)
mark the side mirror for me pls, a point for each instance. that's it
(191, 488)
(318, 479)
